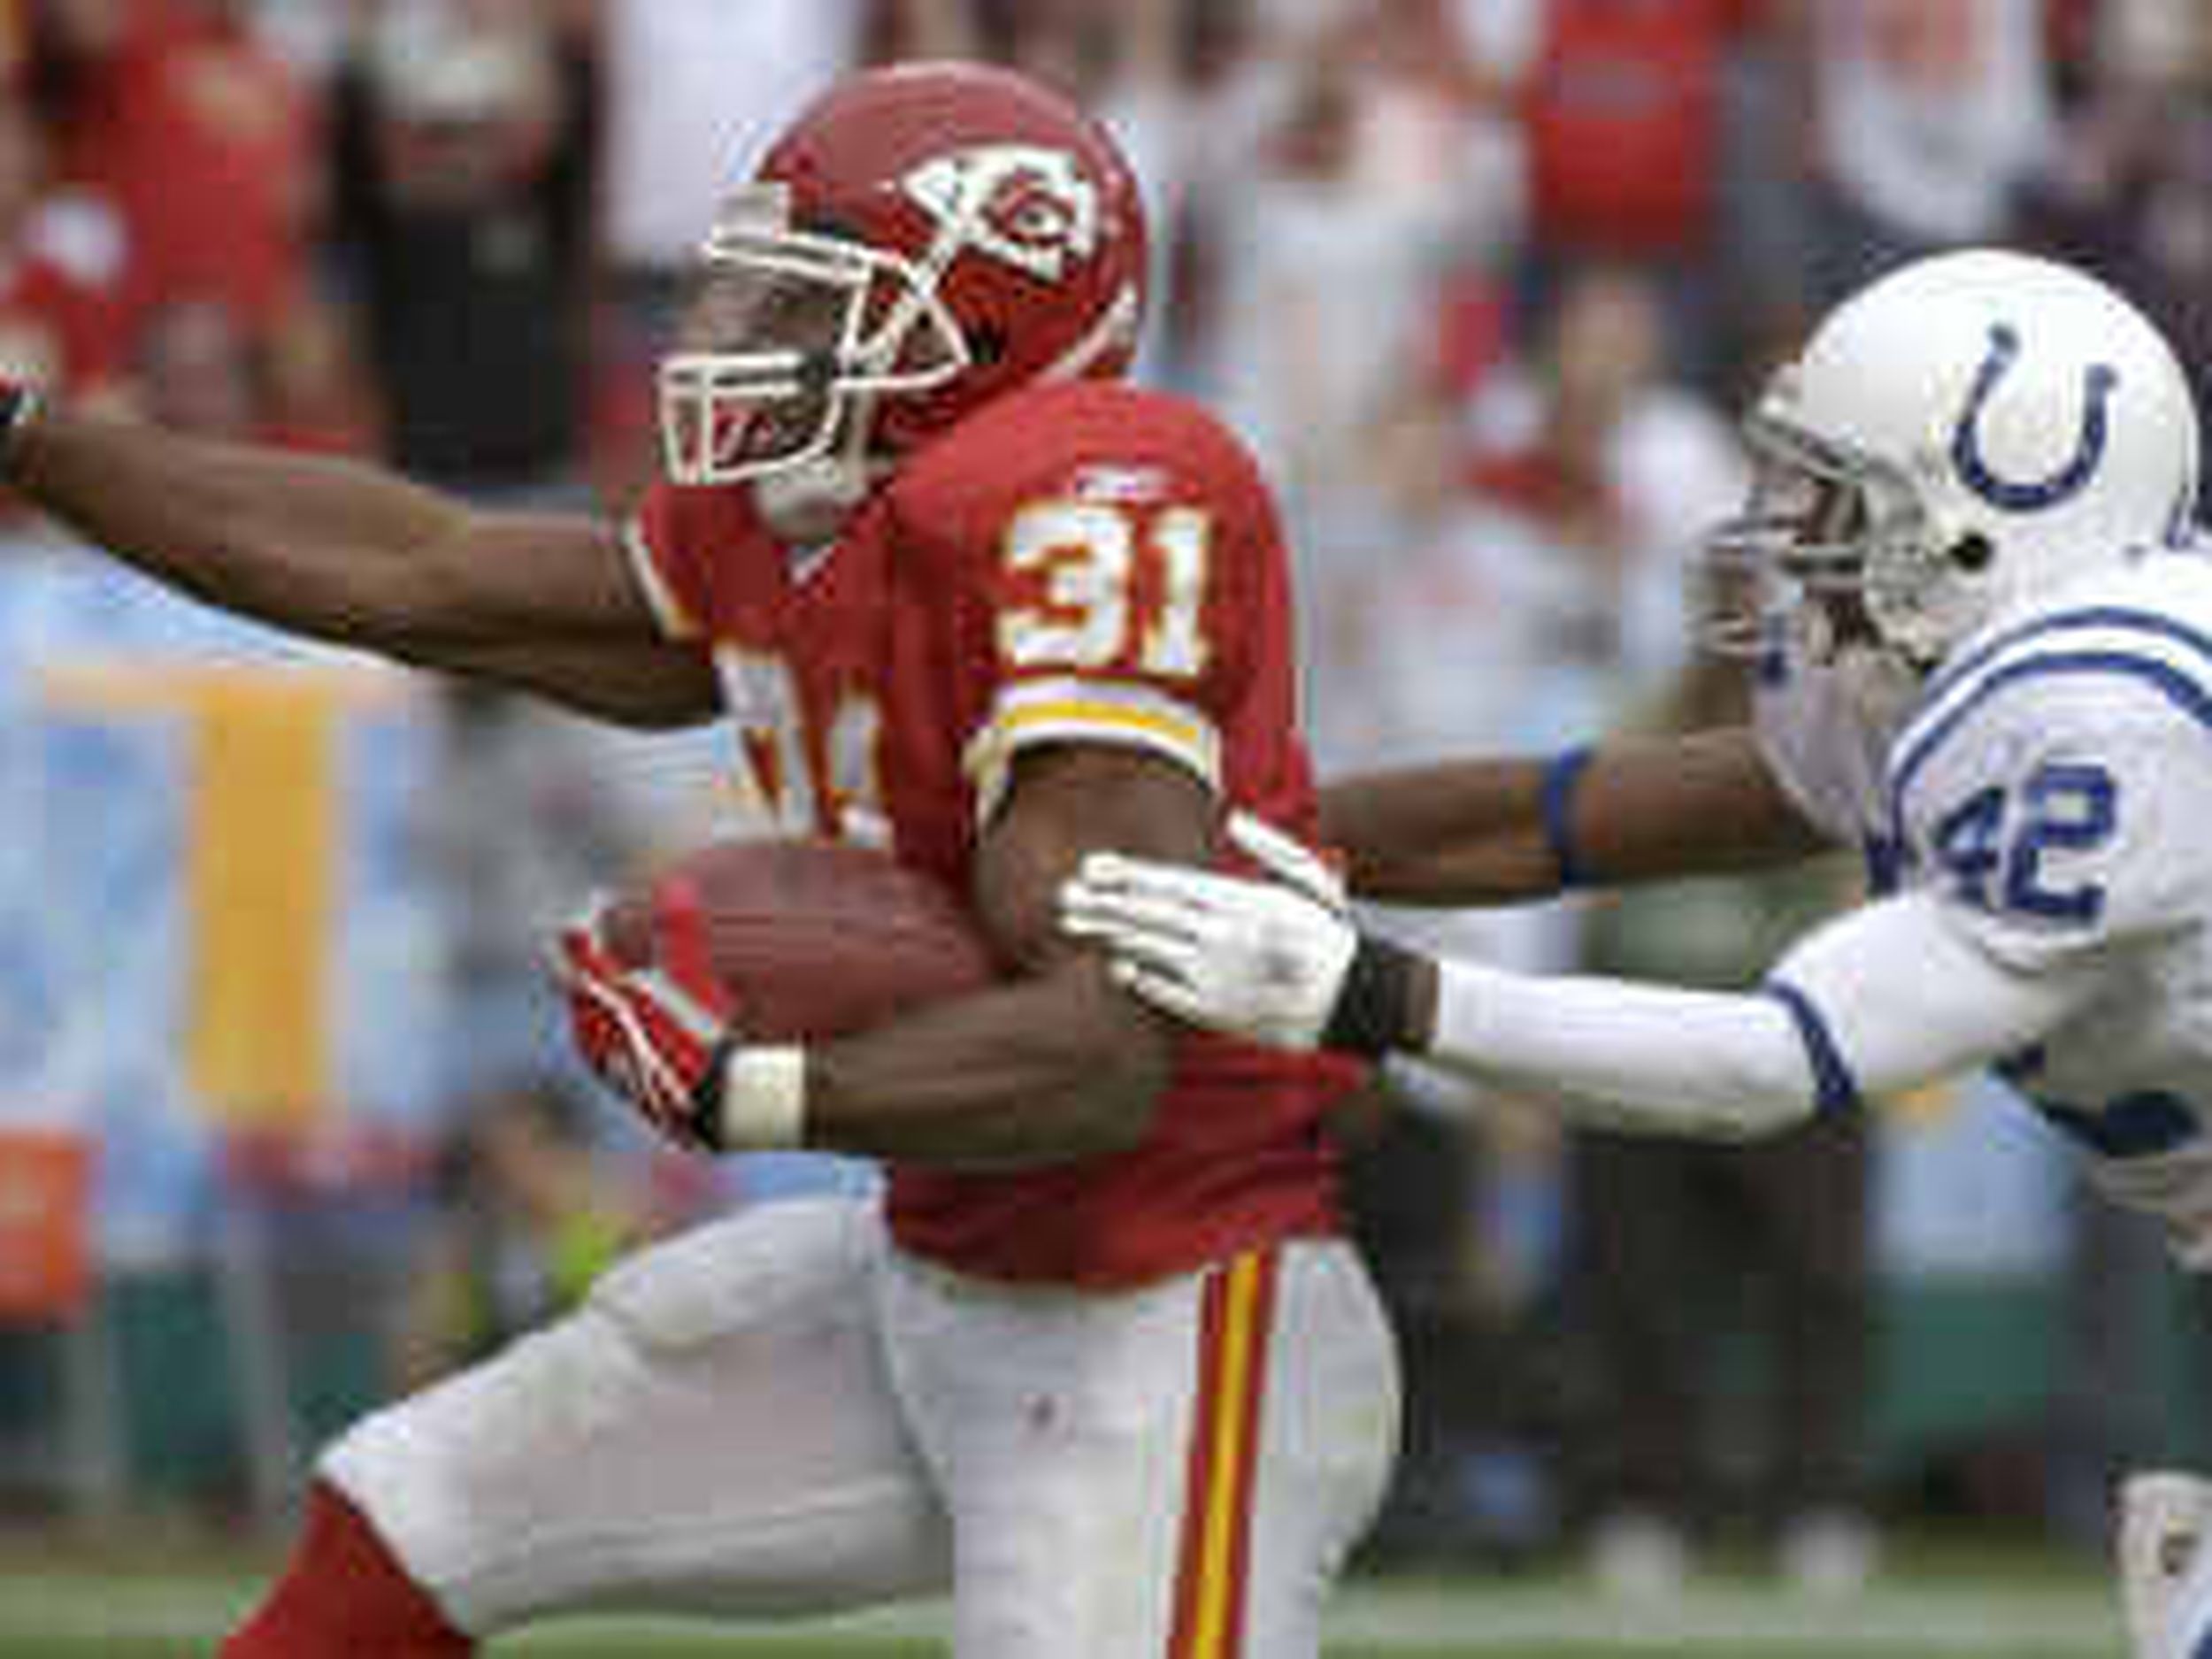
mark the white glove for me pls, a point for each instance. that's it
(1260, 959)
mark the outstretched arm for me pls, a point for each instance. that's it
(1496, 830)
(351, 554)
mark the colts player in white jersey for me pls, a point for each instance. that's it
(1983, 646)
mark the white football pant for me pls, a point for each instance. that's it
(783, 1414)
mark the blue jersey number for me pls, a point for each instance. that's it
(1993, 844)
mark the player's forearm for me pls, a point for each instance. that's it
(1500, 830)
(1043, 1070)
(1458, 833)
(1639, 1059)
(320, 546)
(1837, 1023)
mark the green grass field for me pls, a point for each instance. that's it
(1944, 1604)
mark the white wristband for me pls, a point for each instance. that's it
(764, 1098)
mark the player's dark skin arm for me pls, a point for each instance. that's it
(1643, 809)
(1058, 1064)
(351, 554)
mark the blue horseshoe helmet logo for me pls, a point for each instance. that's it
(2029, 495)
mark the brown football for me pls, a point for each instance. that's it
(812, 939)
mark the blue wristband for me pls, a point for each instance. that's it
(1555, 806)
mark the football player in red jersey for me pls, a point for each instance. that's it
(1101, 1363)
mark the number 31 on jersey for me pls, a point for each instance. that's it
(1098, 586)
(1095, 587)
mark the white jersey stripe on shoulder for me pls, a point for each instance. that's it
(676, 621)
(2124, 629)
(2173, 661)
(2119, 618)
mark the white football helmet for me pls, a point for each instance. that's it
(1962, 435)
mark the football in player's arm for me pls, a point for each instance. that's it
(1980, 636)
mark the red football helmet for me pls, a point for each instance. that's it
(922, 239)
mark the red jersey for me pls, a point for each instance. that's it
(1085, 562)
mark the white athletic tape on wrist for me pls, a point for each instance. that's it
(764, 1098)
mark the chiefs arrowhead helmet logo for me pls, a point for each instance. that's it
(1029, 206)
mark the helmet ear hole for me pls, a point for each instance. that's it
(1973, 553)
(987, 342)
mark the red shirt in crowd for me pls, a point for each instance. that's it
(1622, 110)
(205, 140)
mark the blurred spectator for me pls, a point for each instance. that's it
(694, 88)
(1328, 270)
(526, 1219)
(1440, 119)
(1918, 120)
(57, 301)
(58, 322)
(1333, 243)
(194, 367)
(195, 364)
(464, 144)
(203, 135)
(15, 43)
(1595, 470)
(1653, 1218)
(1625, 116)
(2128, 194)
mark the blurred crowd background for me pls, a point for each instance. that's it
(285, 1122)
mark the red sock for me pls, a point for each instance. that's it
(345, 1596)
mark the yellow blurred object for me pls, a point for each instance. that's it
(262, 868)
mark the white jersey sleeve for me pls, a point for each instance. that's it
(2054, 793)
(1838, 1022)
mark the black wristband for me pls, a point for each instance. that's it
(1376, 1000)
(706, 1093)
(19, 406)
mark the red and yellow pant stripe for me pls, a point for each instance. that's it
(1235, 1321)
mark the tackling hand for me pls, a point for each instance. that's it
(1276, 960)
(658, 1035)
